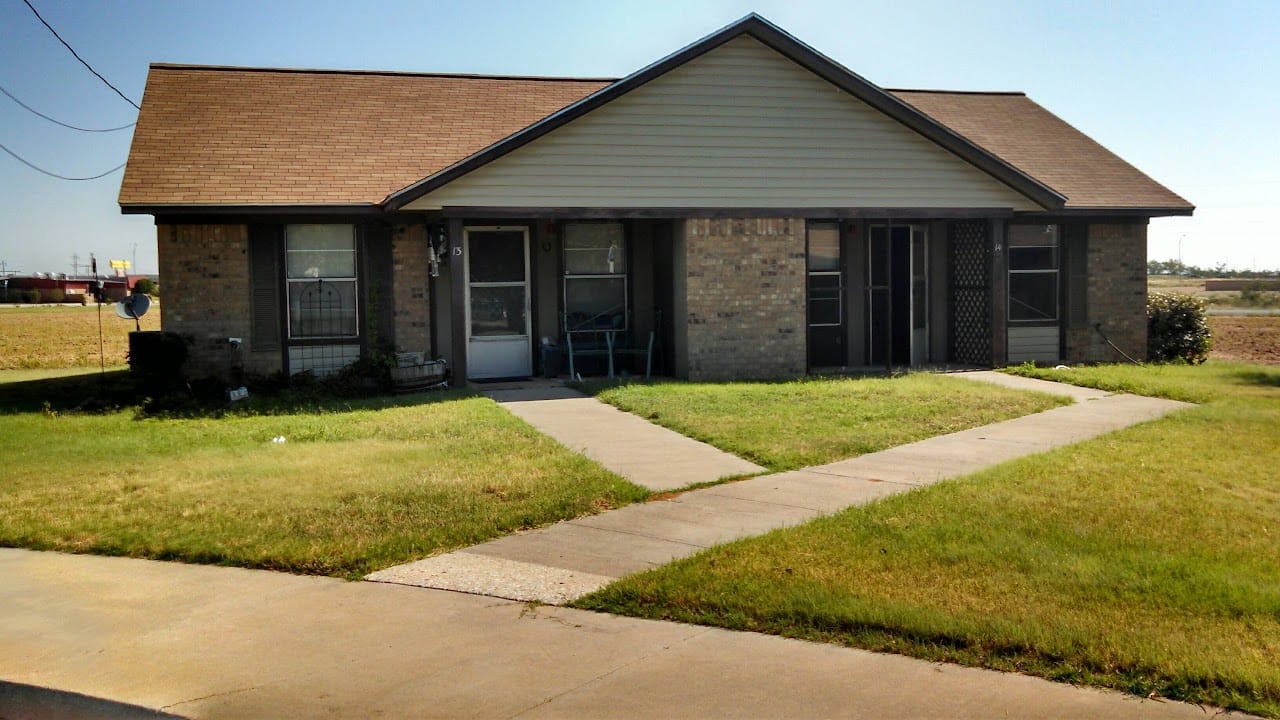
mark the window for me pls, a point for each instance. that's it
(1033, 273)
(595, 277)
(320, 269)
(826, 306)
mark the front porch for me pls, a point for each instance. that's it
(710, 298)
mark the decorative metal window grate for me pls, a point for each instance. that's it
(323, 310)
(970, 293)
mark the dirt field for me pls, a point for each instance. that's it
(1214, 298)
(1247, 339)
(65, 336)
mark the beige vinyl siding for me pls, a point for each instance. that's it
(741, 126)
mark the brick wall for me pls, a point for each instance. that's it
(745, 284)
(409, 253)
(205, 271)
(1117, 295)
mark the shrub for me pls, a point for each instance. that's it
(55, 295)
(147, 286)
(31, 295)
(1177, 329)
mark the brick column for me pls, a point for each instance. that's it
(1117, 295)
(745, 284)
(411, 268)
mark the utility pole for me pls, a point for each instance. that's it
(75, 263)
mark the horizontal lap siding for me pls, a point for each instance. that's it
(741, 126)
(1035, 344)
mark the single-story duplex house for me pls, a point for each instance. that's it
(747, 204)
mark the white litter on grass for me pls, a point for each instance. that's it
(277, 439)
(1061, 367)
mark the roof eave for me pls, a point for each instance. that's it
(791, 47)
(178, 209)
(1127, 211)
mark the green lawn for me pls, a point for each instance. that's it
(789, 425)
(356, 486)
(1145, 560)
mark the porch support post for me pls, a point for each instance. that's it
(999, 294)
(458, 300)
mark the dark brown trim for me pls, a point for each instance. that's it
(999, 249)
(1105, 214)
(183, 211)
(458, 301)
(588, 213)
(789, 46)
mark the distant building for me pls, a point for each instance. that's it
(72, 286)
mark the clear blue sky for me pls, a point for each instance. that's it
(1187, 91)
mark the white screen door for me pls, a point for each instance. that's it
(498, 330)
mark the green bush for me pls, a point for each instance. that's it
(1177, 329)
(55, 295)
(31, 295)
(147, 286)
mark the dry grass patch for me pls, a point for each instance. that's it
(65, 336)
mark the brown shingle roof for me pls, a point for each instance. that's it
(1044, 146)
(244, 136)
(247, 136)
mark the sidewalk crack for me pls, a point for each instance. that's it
(212, 695)
(665, 648)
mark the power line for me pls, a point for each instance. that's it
(73, 52)
(59, 122)
(37, 168)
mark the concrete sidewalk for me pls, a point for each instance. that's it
(210, 642)
(648, 455)
(562, 562)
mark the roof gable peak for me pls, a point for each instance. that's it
(789, 46)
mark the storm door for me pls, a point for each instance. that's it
(897, 295)
(498, 323)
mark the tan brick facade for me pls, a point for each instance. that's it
(205, 269)
(1117, 295)
(410, 253)
(746, 298)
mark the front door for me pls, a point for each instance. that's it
(897, 295)
(498, 328)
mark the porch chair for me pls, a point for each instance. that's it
(600, 336)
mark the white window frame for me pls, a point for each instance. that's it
(354, 279)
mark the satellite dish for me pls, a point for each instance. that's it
(133, 307)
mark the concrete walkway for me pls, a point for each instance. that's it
(562, 562)
(650, 456)
(210, 642)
